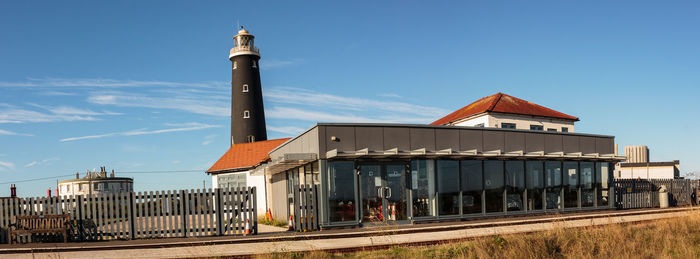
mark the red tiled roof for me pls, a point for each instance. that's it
(246, 155)
(502, 103)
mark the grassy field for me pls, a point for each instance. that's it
(668, 238)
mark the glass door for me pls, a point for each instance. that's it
(383, 193)
(371, 193)
(395, 198)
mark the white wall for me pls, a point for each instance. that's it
(657, 172)
(521, 122)
(251, 181)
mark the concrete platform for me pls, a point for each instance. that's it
(331, 240)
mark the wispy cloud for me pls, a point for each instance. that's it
(35, 163)
(139, 132)
(276, 63)
(5, 166)
(193, 104)
(390, 95)
(103, 83)
(209, 139)
(15, 114)
(292, 131)
(7, 132)
(290, 95)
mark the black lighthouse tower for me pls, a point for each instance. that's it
(247, 113)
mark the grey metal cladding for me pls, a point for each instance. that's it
(552, 143)
(345, 138)
(514, 141)
(587, 145)
(471, 139)
(370, 137)
(494, 140)
(397, 137)
(534, 142)
(571, 144)
(445, 138)
(422, 138)
(604, 146)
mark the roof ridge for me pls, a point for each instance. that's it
(495, 101)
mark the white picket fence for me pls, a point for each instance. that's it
(158, 214)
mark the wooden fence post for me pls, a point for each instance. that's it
(183, 213)
(255, 210)
(219, 213)
(132, 218)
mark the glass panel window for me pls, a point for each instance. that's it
(246, 114)
(587, 193)
(553, 184)
(535, 184)
(564, 129)
(493, 185)
(571, 184)
(603, 178)
(341, 191)
(472, 186)
(515, 185)
(423, 186)
(508, 125)
(245, 88)
(551, 130)
(448, 187)
(536, 127)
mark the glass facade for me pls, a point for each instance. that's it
(603, 176)
(341, 191)
(493, 185)
(587, 187)
(448, 187)
(515, 185)
(472, 186)
(571, 184)
(552, 180)
(423, 187)
(397, 190)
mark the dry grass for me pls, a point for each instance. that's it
(668, 238)
(272, 222)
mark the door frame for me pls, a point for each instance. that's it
(384, 179)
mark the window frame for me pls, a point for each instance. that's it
(246, 114)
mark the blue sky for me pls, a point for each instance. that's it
(141, 86)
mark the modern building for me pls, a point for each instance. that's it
(505, 111)
(649, 170)
(94, 183)
(401, 173)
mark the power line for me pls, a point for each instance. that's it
(125, 172)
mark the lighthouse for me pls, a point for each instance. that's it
(247, 112)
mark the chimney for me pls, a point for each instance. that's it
(112, 175)
(77, 175)
(616, 153)
(13, 191)
(48, 193)
(56, 191)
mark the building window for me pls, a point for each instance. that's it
(255, 64)
(564, 129)
(96, 186)
(245, 88)
(251, 138)
(246, 114)
(480, 125)
(551, 129)
(233, 181)
(235, 64)
(536, 127)
(508, 125)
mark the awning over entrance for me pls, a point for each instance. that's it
(286, 162)
(422, 152)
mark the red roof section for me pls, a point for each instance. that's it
(246, 155)
(502, 103)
